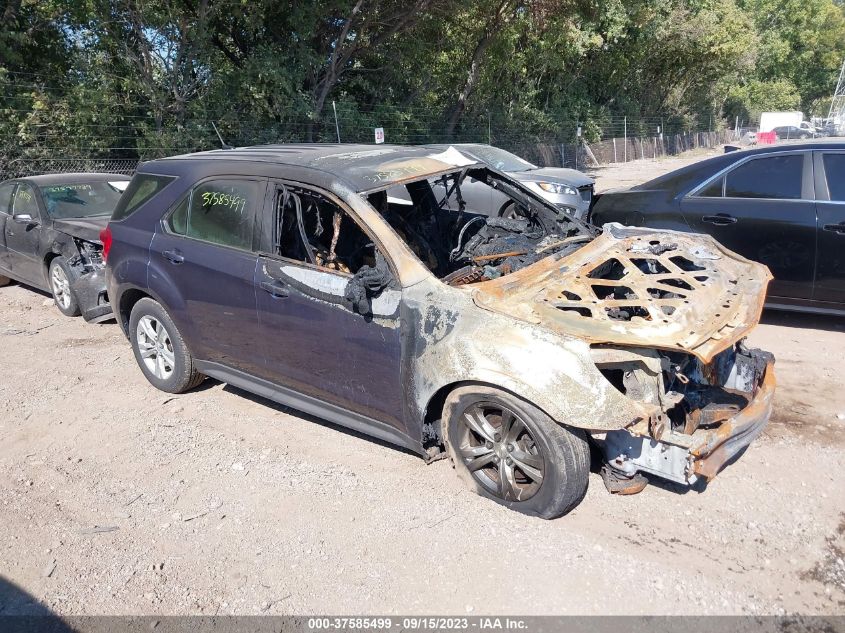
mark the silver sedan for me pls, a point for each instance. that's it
(566, 188)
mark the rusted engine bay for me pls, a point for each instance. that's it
(639, 287)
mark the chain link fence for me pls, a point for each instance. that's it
(20, 167)
(553, 142)
(620, 150)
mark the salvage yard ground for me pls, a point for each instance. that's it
(116, 498)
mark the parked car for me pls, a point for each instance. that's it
(781, 206)
(787, 132)
(568, 189)
(508, 344)
(50, 237)
(829, 129)
(747, 136)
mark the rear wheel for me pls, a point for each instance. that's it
(508, 450)
(4, 281)
(159, 349)
(63, 295)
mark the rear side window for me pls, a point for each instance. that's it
(25, 202)
(142, 188)
(6, 196)
(713, 190)
(219, 211)
(834, 169)
(774, 177)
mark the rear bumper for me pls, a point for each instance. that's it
(90, 291)
(686, 458)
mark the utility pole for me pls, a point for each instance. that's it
(836, 114)
(489, 128)
(577, 142)
(625, 133)
(336, 126)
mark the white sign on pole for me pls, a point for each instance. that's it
(379, 135)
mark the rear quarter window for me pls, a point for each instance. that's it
(142, 188)
(834, 168)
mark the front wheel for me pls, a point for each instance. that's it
(508, 211)
(159, 349)
(63, 295)
(509, 451)
(4, 281)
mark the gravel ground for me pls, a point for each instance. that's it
(119, 499)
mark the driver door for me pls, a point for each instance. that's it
(313, 342)
(6, 191)
(23, 238)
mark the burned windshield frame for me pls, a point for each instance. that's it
(461, 246)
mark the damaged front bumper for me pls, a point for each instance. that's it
(93, 298)
(688, 455)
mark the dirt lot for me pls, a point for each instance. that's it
(119, 499)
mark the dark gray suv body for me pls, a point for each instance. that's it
(289, 271)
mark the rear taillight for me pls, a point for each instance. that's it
(105, 238)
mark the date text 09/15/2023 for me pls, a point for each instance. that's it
(420, 623)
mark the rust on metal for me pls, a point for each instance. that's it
(644, 289)
(714, 451)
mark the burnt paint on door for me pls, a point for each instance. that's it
(324, 349)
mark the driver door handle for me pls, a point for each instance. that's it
(835, 228)
(275, 288)
(720, 219)
(175, 257)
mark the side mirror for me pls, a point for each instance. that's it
(367, 283)
(24, 218)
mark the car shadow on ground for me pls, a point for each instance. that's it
(803, 320)
(306, 416)
(20, 611)
(43, 293)
(38, 291)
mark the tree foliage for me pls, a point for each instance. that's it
(140, 77)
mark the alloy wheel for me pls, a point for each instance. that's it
(61, 286)
(500, 452)
(155, 347)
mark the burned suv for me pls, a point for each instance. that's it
(508, 344)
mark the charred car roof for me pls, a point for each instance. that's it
(361, 167)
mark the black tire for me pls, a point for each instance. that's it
(508, 211)
(178, 373)
(4, 281)
(558, 455)
(60, 277)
